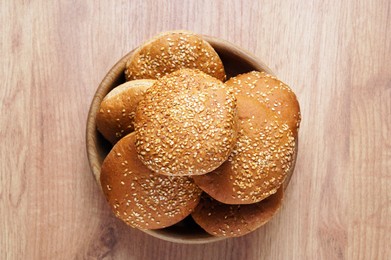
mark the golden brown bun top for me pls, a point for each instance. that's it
(224, 220)
(271, 91)
(170, 51)
(260, 160)
(140, 197)
(186, 124)
(116, 113)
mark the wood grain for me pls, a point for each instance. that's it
(336, 55)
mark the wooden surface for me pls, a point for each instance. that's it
(336, 55)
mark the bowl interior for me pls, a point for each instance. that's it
(235, 60)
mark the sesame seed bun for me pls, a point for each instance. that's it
(186, 124)
(225, 220)
(116, 112)
(271, 91)
(140, 197)
(170, 51)
(260, 160)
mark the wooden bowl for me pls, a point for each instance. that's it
(236, 61)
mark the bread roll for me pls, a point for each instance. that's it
(140, 197)
(224, 220)
(260, 160)
(170, 51)
(117, 110)
(271, 91)
(186, 124)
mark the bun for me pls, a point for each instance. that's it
(186, 124)
(260, 160)
(269, 90)
(224, 220)
(170, 51)
(140, 197)
(116, 112)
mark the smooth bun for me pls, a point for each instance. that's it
(224, 220)
(170, 51)
(116, 113)
(260, 160)
(186, 124)
(140, 197)
(271, 91)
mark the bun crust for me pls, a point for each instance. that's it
(260, 160)
(116, 113)
(269, 90)
(170, 51)
(224, 220)
(140, 197)
(186, 124)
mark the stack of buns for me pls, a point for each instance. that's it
(187, 142)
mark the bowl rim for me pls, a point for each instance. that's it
(104, 88)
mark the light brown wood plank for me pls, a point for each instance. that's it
(370, 146)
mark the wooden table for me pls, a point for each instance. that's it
(336, 55)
